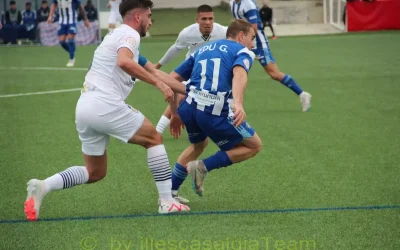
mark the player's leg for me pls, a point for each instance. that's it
(272, 30)
(94, 146)
(269, 64)
(62, 35)
(198, 140)
(111, 26)
(130, 126)
(179, 172)
(112, 20)
(236, 143)
(71, 44)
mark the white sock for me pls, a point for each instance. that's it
(68, 178)
(162, 124)
(157, 159)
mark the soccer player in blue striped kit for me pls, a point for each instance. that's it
(248, 10)
(68, 19)
(217, 73)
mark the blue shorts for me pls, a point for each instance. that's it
(220, 129)
(66, 29)
(264, 55)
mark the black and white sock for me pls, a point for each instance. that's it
(157, 159)
(68, 178)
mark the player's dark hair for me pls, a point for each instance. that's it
(237, 26)
(204, 8)
(127, 5)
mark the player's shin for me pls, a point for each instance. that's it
(179, 175)
(159, 165)
(289, 82)
(68, 178)
(72, 48)
(64, 45)
(218, 160)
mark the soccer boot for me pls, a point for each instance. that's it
(36, 192)
(198, 172)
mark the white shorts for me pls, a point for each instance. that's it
(97, 119)
(114, 18)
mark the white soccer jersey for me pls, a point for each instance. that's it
(192, 39)
(104, 76)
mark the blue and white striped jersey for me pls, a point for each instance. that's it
(248, 10)
(210, 70)
(68, 10)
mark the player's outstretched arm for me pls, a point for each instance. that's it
(52, 9)
(171, 53)
(174, 84)
(125, 62)
(85, 18)
(239, 83)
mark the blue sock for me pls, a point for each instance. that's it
(179, 175)
(219, 160)
(71, 45)
(289, 82)
(64, 45)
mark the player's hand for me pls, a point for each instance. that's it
(239, 116)
(158, 65)
(175, 126)
(49, 20)
(166, 90)
(87, 23)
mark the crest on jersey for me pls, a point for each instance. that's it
(246, 63)
(131, 41)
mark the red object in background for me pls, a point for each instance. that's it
(377, 15)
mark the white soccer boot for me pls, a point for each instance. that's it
(305, 99)
(36, 192)
(198, 172)
(71, 63)
(171, 206)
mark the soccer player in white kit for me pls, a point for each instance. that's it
(101, 112)
(115, 16)
(192, 37)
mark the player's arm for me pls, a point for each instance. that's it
(239, 83)
(132, 68)
(52, 10)
(243, 62)
(174, 50)
(83, 11)
(181, 73)
(175, 85)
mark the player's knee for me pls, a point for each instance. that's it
(96, 175)
(199, 147)
(256, 146)
(154, 140)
